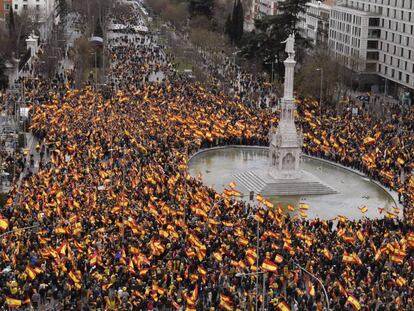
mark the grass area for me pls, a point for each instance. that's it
(181, 64)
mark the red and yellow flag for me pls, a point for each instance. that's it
(354, 302)
(226, 303)
(268, 265)
(283, 306)
(13, 303)
(4, 223)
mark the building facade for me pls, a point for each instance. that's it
(376, 37)
(259, 9)
(39, 10)
(4, 8)
(314, 22)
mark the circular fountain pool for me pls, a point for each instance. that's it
(217, 167)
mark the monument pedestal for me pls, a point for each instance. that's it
(261, 182)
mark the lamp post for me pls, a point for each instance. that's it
(321, 89)
(240, 275)
(317, 279)
(234, 62)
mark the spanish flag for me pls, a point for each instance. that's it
(354, 302)
(202, 271)
(232, 185)
(4, 224)
(259, 218)
(243, 242)
(268, 204)
(400, 161)
(226, 303)
(369, 140)
(328, 255)
(13, 303)
(259, 198)
(400, 281)
(348, 258)
(31, 273)
(268, 265)
(60, 230)
(363, 209)
(311, 289)
(283, 306)
(218, 257)
(278, 259)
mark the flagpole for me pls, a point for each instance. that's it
(317, 279)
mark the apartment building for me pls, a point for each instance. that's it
(314, 22)
(259, 9)
(39, 10)
(4, 8)
(376, 37)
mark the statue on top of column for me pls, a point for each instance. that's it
(290, 46)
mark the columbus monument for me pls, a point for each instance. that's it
(283, 175)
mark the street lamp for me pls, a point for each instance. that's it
(240, 275)
(321, 90)
(317, 279)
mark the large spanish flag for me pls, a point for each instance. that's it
(283, 306)
(354, 302)
(225, 303)
(13, 303)
(269, 266)
(4, 224)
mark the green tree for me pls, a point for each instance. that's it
(12, 24)
(238, 21)
(235, 22)
(62, 8)
(3, 77)
(201, 7)
(265, 43)
(98, 32)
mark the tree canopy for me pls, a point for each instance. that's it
(3, 77)
(201, 7)
(235, 23)
(266, 42)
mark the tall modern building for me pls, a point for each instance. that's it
(375, 38)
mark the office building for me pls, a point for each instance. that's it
(376, 38)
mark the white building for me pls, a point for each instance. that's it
(376, 37)
(314, 23)
(42, 12)
(39, 10)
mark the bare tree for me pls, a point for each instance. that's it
(176, 13)
(83, 59)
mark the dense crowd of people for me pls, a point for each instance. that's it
(122, 226)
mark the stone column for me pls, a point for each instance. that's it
(289, 78)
